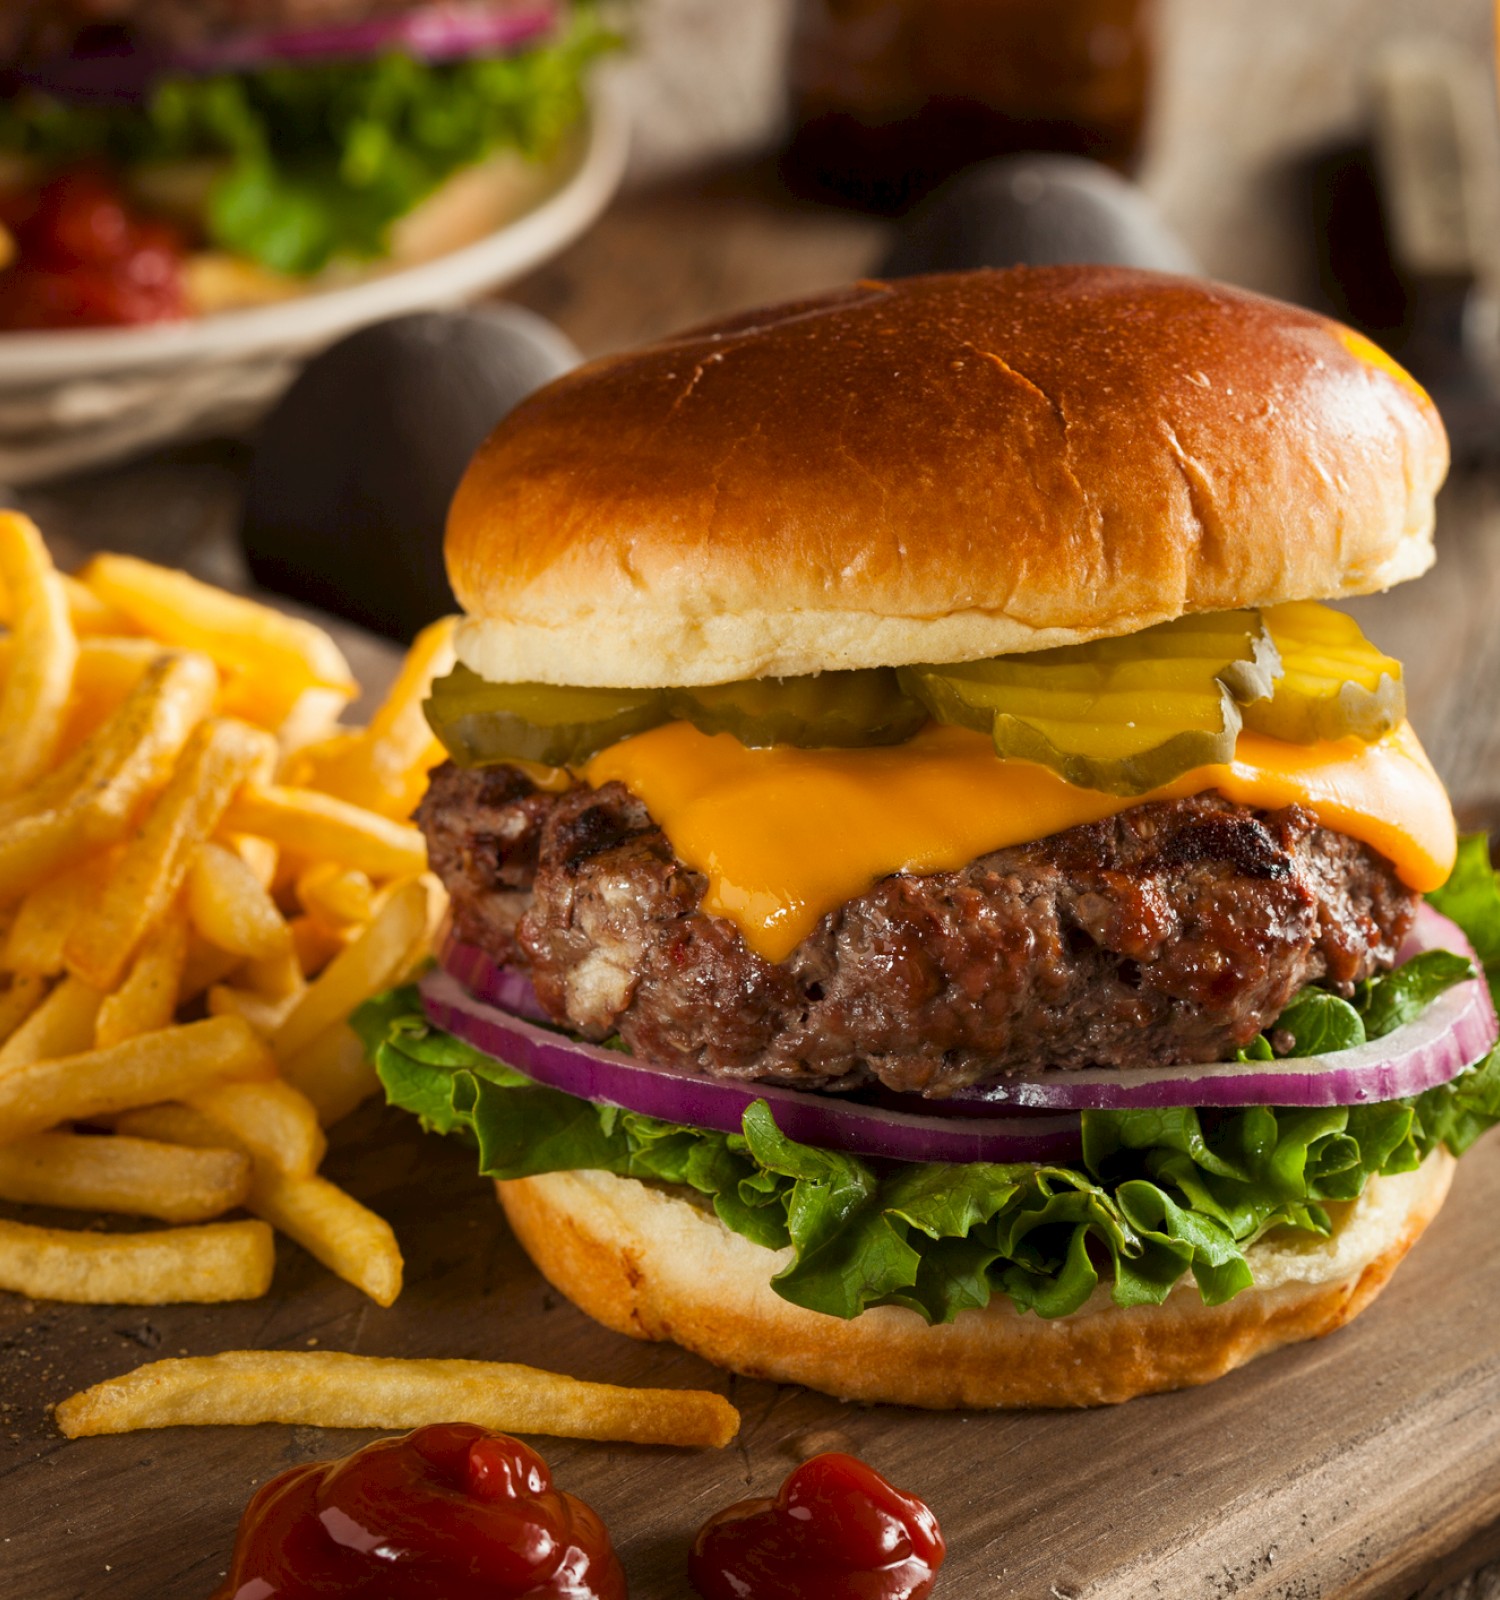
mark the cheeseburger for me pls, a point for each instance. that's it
(942, 911)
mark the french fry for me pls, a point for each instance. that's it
(329, 1224)
(257, 646)
(219, 1261)
(47, 915)
(133, 1177)
(372, 962)
(312, 717)
(170, 1122)
(206, 965)
(95, 797)
(106, 672)
(92, 616)
(147, 1000)
(333, 1072)
(17, 1001)
(317, 827)
(218, 757)
(260, 855)
(384, 767)
(263, 1013)
(230, 907)
(329, 1389)
(333, 1226)
(62, 1025)
(272, 1121)
(153, 1066)
(316, 943)
(133, 751)
(340, 897)
(37, 685)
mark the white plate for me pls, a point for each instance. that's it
(76, 399)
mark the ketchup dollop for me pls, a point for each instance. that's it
(835, 1531)
(450, 1512)
(84, 260)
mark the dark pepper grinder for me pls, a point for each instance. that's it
(889, 97)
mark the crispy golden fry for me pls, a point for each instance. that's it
(92, 616)
(384, 767)
(220, 1261)
(230, 907)
(272, 1121)
(174, 1123)
(205, 966)
(260, 855)
(328, 1389)
(340, 897)
(18, 1000)
(316, 943)
(147, 1000)
(88, 613)
(133, 1177)
(333, 1072)
(266, 994)
(345, 1236)
(312, 717)
(37, 685)
(263, 1013)
(62, 1025)
(371, 963)
(106, 673)
(47, 915)
(218, 757)
(263, 651)
(316, 827)
(103, 675)
(95, 797)
(154, 1066)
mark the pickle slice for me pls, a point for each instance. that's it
(482, 723)
(1335, 683)
(1122, 715)
(826, 709)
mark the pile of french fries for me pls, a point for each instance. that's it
(202, 873)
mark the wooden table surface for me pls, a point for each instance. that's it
(1367, 1465)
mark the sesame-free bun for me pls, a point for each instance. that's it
(646, 1261)
(938, 469)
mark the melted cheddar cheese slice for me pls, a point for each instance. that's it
(784, 835)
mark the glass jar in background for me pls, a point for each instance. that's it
(891, 96)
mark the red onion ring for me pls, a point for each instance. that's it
(452, 31)
(829, 1121)
(440, 32)
(1452, 1034)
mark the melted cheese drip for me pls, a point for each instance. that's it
(784, 835)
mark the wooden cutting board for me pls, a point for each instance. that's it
(1367, 1464)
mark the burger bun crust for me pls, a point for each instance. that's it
(938, 469)
(648, 1262)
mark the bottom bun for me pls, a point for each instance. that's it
(651, 1262)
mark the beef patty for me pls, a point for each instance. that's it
(1172, 932)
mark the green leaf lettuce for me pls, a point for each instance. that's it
(1159, 1193)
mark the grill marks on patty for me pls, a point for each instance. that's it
(1172, 932)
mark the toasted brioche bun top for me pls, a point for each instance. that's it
(938, 469)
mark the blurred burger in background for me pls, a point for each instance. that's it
(161, 159)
